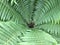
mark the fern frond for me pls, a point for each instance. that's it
(26, 8)
(9, 33)
(47, 11)
(52, 29)
(16, 34)
(7, 13)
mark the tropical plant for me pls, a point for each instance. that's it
(29, 22)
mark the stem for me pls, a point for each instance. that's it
(34, 9)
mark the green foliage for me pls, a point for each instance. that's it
(37, 37)
(16, 34)
(17, 15)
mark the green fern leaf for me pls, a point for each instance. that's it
(7, 13)
(47, 11)
(53, 29)
(16, 34)
(29, 22)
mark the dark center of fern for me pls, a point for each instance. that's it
(31, 25)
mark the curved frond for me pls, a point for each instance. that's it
(37, 37)
(26, 8)
(7, 13)
(9, 33)
(47, 17)
(12, 2)
(44, 13)
(47, 11)
(53, 29)
(16, 34)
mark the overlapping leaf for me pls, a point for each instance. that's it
(47, 17)
(9, 33)
(47, 11)
(16, 34)
(37, 37)
(7, 13)
(53, 29)
(26, 8)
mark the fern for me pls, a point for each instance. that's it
(29, 22)
(7, 13)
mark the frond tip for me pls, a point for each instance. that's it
(12, 2)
